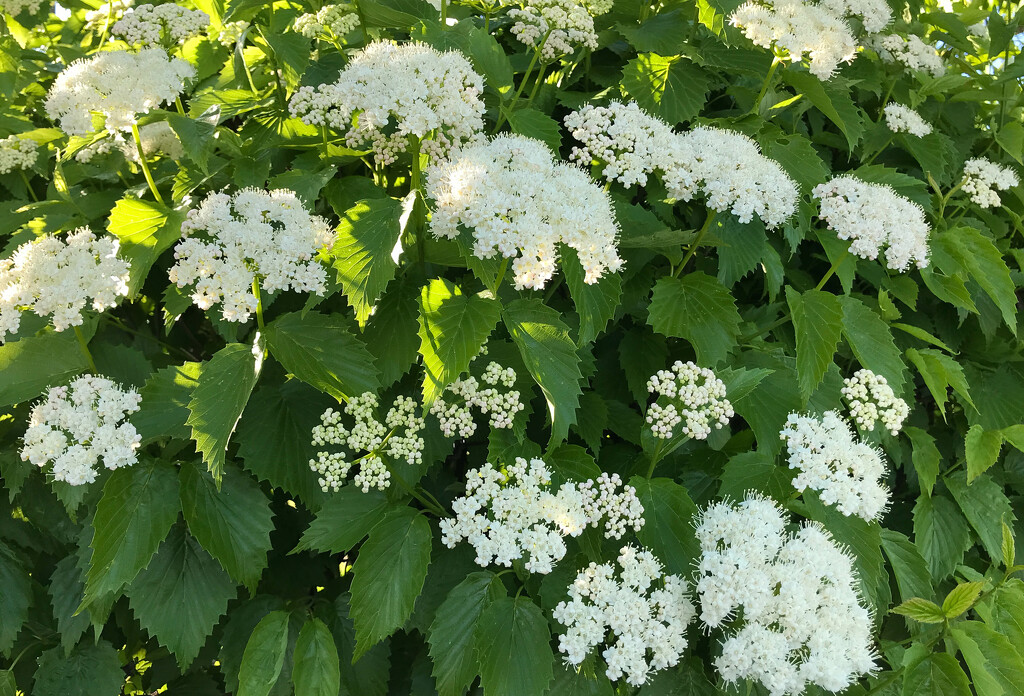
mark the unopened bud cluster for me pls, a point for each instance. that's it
(330, 20)
(639, 613)
(871, 399)
(397, 437)
(556, 27)
(498, 400)
(690, 395)
(16, 153)
(513, 513)
(77, 425)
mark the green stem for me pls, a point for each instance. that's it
(756, 108)
(882, 685)
(444, 14)
(880, 150)
(28, 186)
(178, 106)
(418, 208)
(259, 303)
(696, 243)
(144, 164)
(656, 457)
(832, 270)
(522, 83)
(501, 276)
(774, 325)
(537, 84)
(83, 344)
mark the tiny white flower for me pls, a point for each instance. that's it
(984, 178)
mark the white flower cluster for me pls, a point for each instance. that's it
(875, 217)
(911, 52)
(554, 27)
(630, 613)
(58, 277)
(106, 13)
(231, 32)
(336, 19)
(398, 437)
(155, 137)
(802, 618)
(903, 119)
(497, 399)
(230, 240)
(873, 14)
(846, 472)
(695, 396)
(983, 178)
(16, 7)
(117, 85)
(506, 515)
(520, 203)
(872, 399)
(388, 95)
(16, 153)
(161, 25)
(78, 424)
(793, 29)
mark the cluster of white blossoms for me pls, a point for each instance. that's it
(389, 95)
(845, 471)
(16, 153)
(903, 119)
(911, 52)
(555, 27)
(397, 437)
(875, 217)
(794, 29)
(16, 7)
(498, 400)
(118, 86)
(162, 25)
(696, 398)
(156, 137)
(508, 514)
(56, 277)
(871, 399)
(640, 612)
(77, 425)
(338, 20)
(230, 33)
(230, 240)
(520, 203)
(874, 15)
(983, 178)
(803, 621)
(107, 13)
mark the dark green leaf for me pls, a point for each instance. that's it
(451, 634)
(89, 670)
(818, 321)
(700, 309)
(317, 671)
(264, 655)
(30, 365)
(668, 523)
(514, 648)
(345, 518)
(671, 87)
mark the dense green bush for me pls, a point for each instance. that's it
(471, 302)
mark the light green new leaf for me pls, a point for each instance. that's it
(317, 670)
(908, 565)
(233, 524)
(30, 365)
(344, 520)
(181, 595)
(668, 522)
(922, 610)
(217, 402)
(388, 576)
(818, 321)
(320, 350)
(264, 655)
(871, 342)
(670, 87)
(146, 229)
(981, 448)
(961, 598)
(138, 507)
(453, 327)
(698, 308)
(451, 635)
(938, 674)
(88, 671)
(362, 255)
(550, 357)
(514, 648)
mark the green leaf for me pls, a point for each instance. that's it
(922, 610)
(940, 372)
(89, 670)
(818, 321)
(16, 596)
(146, 229)
(908, 565)
(264, 655)
(984, 262)
(1006, 613)
(344, 520)
(798, 157)
(537, 125)
(30, 365)
(926, 458)
(871, 342)
(217, 402)
(742, 249)
(198, 138)
(389, 575)
(66, 589)
(290, 54)
(986, 651)
(362, 255)
(981, 448)
(961, 598)
(390, 333)
(317, 671)
(181, 595)
(1009, 546)
(938, 674)
(830, 99)
(550, 357)
(232, 524)
(941, 533)
(668, 523)
(985, 505)
(659, 34)
(514, 648)
(672, 88)
(138, 507)
(367, 676)
(453, 327)
(451, 634)
(700, 309)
